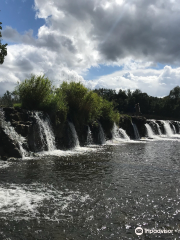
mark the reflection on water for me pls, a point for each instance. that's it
(103, 194)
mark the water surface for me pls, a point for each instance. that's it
(101, 194)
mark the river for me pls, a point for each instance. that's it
(100, 192)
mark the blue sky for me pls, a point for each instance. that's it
(20, 15)
(114, 44)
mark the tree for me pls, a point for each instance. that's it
(35, 93)
(3, 48)
(175, 93)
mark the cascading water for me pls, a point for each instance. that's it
(115, 132)
(89, 137)
(101, 135)
(11, 132)
(174, 129)
(150, 132)
(73, 136)
(157, 125)
(46, 133)
(167, 128)
(123, 134)
(178, 123)
(119, 133)
(136, 132)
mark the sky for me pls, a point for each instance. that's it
(116, 44)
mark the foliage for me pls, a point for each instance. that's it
(19, 105)
(35, 93)
(86, 106)
(58, 106)
(73, 94)
(3, 49)
(108, 115)
(83, 104)
(124, 102)
(9, 99)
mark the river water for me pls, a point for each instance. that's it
(102, 193)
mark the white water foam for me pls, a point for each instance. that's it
(150, 132)
(124, 135)
(101, 135)
(174, 129)
(45, 129)
(89, 137)
(11, 132)
(167, 128)
(158, 127)
(136, 132)
(73, 151)
(119, 134)
(24, 202)
(74, 136)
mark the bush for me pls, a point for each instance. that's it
(86, 106)
(72, 99)
(108, 115)
(58, 106)
(35, 93)
(19, 105)
(91, 107)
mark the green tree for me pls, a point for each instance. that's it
(175, 93)
(3, 48)
(35, 93)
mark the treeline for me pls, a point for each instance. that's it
(70, 101)
(74, 101)
(124, 102)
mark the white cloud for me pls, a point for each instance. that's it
(154, 82)
(79, 34)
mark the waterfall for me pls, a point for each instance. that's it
(123, 134)
(89, 137)
(167, 128)
(101, 135)
(157, 125)
(119, 133)
(150, 132)
(136, 132)
(174, 129)
(46, 133)
(11, 132)
(115, 132)
(73, 136)
(178, 123)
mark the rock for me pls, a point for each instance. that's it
(126, 124)
(8, 147)
(15, 152)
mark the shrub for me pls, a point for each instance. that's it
(73, 94)
(19, 105)
(91, 107)
(86, 106)
(35, 93)
(58, 106)
(108, 115)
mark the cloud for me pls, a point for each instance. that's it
(12, 35)
(134, 34)
(154, 82)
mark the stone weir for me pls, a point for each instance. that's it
(126, 123)
(24, 133)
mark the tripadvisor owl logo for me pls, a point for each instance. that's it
(138, 231)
